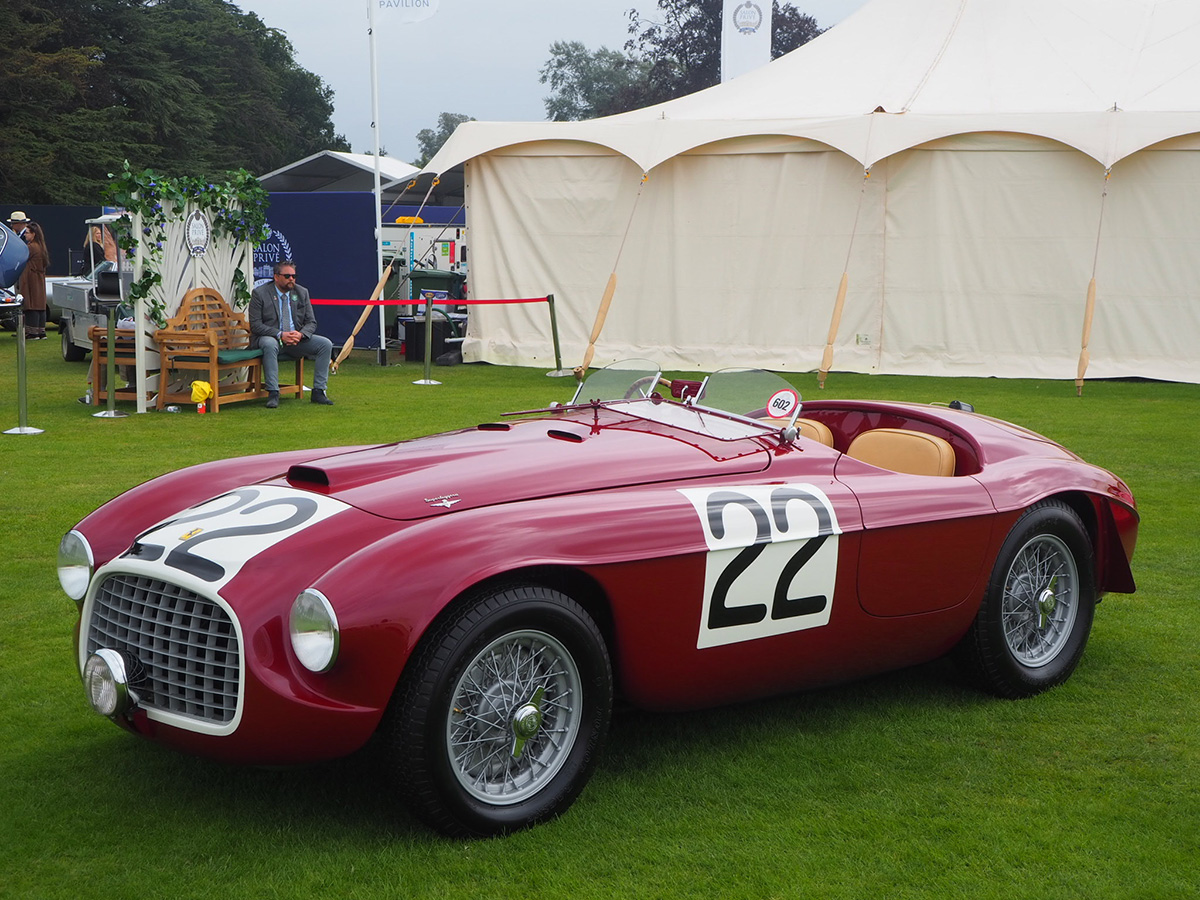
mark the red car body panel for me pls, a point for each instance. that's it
(615, 503)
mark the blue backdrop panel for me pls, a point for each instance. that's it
(331, 238)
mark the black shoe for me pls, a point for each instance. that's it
(272, 399)
(319, 397)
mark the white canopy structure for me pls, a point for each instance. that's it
(992, 183)
(335, 170)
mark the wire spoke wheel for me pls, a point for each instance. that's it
(1041, 599)
(1036, 613)
(500, 717)
(514, 717)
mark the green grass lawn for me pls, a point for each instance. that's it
(908, 785)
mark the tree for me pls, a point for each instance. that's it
(678, 54)
(430, 141)
(186, 87)
(43, 116)
(684, 49)
(587, 85)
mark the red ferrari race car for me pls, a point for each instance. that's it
(480, 597)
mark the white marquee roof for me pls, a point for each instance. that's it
(335, 170)
(1108, 77)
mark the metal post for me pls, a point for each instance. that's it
(112, 412)
(22, 416)
(428, 379)
(382, 354)
(559, 371)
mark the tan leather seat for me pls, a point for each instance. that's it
(815, 431)
(910, 452)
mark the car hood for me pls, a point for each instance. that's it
(521, 460)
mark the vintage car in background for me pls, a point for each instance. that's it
(481, 597)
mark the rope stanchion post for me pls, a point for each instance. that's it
(428, 379)
(559, 371)
(111, 412)
(23, 426)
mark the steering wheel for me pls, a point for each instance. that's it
(635, 389)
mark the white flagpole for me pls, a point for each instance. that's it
(382, 354)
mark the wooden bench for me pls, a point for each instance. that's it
(124, 357)
(207, 339)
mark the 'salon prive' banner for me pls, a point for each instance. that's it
(745, 36)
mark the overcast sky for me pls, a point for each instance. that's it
(479, 58)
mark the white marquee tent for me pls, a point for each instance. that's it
(977, 175)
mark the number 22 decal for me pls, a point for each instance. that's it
(775, 543)
(231, 530)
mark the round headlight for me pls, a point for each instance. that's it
(74, 564)
(313, 628)
(106, 683)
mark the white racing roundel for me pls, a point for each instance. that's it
(783, 404)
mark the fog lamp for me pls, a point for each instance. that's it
(106, 680)
(313, 627)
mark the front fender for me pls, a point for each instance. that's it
(401, 583)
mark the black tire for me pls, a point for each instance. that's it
(70, 353)
(500, 716)
(1036, 615)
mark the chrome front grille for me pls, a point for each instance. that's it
(186, 646)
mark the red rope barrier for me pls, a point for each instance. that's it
(437, 301)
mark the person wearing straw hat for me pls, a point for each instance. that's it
(282, 321)
(33, 280)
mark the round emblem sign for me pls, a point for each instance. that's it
(748, 17)
(783, 404)
(197, 233)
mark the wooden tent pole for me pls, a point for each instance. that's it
(1089, 309)
(839, 304)
(609, 290)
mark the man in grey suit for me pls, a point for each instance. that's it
(282, 321)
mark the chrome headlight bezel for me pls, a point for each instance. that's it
(76, 565)
(106, 682)
(314, 632)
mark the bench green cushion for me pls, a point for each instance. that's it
(224, 357)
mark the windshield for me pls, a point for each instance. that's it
(629, 379)
(751, 392)
(729, 404)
